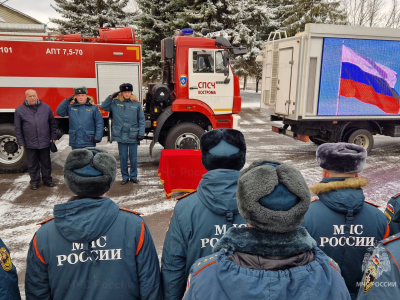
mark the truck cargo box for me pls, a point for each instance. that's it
(333, 72)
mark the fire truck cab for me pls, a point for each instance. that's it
(199, 91)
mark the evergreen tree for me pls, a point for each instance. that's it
(239, 21)
(252, 19)
(154, 25)
(87, 16)
(297, 13)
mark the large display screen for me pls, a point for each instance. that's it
(359, 78)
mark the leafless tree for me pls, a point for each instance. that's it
(393, 18)
(373, 13)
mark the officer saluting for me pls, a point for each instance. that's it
(128, 128)
(85, 120)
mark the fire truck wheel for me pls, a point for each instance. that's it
(184, 136)
(12, 156)
(363, 138)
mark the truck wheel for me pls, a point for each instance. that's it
(184, 136)
(12, 156)
(363, 138)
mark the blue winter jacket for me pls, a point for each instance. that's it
(392, 212)
(128, 118)
(219, 277)
(8, 276)
(85, 122)
(199, 220)
(381, 278)
(34, 125)
(345, 227)
(92, 250)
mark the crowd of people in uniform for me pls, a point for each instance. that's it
(250, 233)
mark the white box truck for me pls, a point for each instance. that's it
(333, 83)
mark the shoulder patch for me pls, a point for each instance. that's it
(396, 196)
(179, 198)
(203, 263)
(390, 208)
(131, 211)
(5, 259)
(41, 223)
(316, 199)
(335, 265)
(373, 204)
(391, 238)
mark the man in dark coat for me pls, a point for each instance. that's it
(201, 218)
(345, 226)
(273, 258)
(8, 276)
(85, 120)
(128, 128)
(35, 129)
(92, 249)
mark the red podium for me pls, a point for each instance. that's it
(180, 170)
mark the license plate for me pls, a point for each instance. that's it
(289, 133)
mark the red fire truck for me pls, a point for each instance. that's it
(196, 95)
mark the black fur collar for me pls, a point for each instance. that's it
(254, 241)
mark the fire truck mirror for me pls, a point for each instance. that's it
(226, 59)
(226, 72)
(238, 51)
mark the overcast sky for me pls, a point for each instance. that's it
(42, 11)
(38, 9)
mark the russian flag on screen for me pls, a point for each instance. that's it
(368, 81)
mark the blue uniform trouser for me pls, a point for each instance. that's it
(123, 149)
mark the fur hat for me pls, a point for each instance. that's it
(126, 87)
(90, 172)
(272, 196)
(80, 90)
(223, 149)
(341, 157)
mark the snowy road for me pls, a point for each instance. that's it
(21, 208)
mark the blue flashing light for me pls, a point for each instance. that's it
(186, 31)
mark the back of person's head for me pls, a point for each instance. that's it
(341, 158)
(223, 149)
(272, 196)
(90, 172)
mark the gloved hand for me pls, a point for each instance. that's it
(140, 137)
(97, 141)
(114, 95)
(71, 97)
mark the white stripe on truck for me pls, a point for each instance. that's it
(47, 82)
